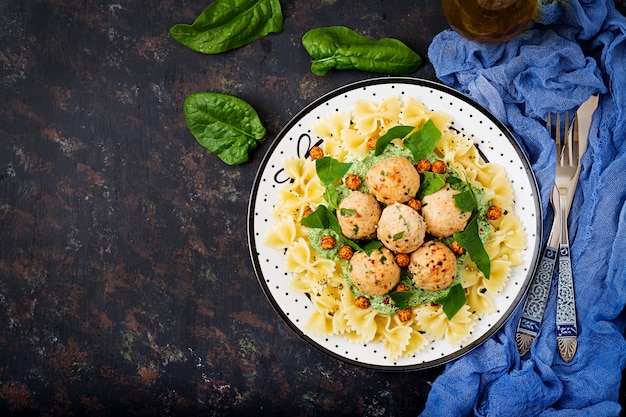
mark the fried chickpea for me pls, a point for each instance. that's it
(494, 213)
(352, 181)
(316, 152)
(402, 287)
(328, 242)
(439, 167)
(457, 249)
(362, 302)
(405, 314)
(371, 142)
(423, 165)
(415, 204)
(402, 259)
(346, 252)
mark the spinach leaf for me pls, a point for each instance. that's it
(470, 240)
(330, 170)
(230, 24)
(431, 183)
(342, 48)
(466, 200)
(331, 196)
(323, 218)
(401, 298)
(320, 218)
(453, 301)
(368, 246)
(393, 133)
(225, 125)
(347, 212)
(371, 245)
(423, 141)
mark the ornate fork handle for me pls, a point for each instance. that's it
(537, 297)
(536, 300)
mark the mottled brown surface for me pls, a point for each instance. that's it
(125, 281)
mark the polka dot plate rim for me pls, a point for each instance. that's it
(494, 142)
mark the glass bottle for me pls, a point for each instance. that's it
(489, 21)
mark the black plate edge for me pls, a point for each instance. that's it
(391, 80)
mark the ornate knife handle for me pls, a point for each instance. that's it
(566, 329)
(535, 304)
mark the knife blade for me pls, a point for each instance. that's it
(584, 114)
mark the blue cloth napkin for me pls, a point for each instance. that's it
(572, 50)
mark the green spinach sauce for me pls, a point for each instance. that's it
(385, 303)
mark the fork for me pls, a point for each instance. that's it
(567, 170)
(537, 297)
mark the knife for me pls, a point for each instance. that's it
(566, 328)
(537, 297)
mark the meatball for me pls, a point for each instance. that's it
(376, 273)
(401, 228)
(393, 180)
(433, 266)
(443, 218)
(358, 215)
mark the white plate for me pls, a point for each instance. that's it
(495, 143)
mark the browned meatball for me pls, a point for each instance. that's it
(393, 180)
(433, 266)
(401, 228)
(376, 273)
(358, 215)
(443, 218)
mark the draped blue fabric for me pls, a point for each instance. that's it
(573, 49)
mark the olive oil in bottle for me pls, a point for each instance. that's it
(489, 21)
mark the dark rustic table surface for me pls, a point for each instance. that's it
(126, 286)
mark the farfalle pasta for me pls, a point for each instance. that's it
(346, 137)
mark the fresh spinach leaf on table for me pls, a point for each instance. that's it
(225, 125)
(230, 24)
(342, 48)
